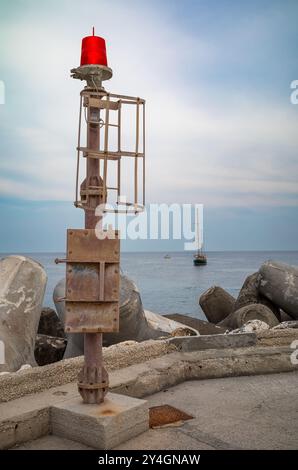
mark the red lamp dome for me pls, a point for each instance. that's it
(93, 51)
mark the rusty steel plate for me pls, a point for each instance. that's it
(84, 246)
(91, 317)
(92, 282)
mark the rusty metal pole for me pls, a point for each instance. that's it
(93, 379)
(92, 265)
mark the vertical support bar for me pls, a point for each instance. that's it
(106, 147)
(119, 150)
(137, 151)
(119, 126)
(119, 178)
(144, 167)
(92, 168)
(78, 152)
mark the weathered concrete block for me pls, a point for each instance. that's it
(202, 326)
(249, 294)
(250, 312)
(24, 427)
(196, 343)
(284, 316)
(102, 426)
(252, 326)
(22, 286)
(216, 303)
(287, 324)
(279, 283)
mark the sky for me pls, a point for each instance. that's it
(221, 128)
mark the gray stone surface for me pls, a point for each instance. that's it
(168, 438)
(102, 426)
(252, 326)
(195, 343)
(251, 312)
(275, 337)
(118, 356)
(27, 417)
(216, 304)
(150, 366)
(286, 324)
(22, 286)
(278, 282)
(260, 415)
(158, 374)
(51, 442)
(249, 294)
(24, 426)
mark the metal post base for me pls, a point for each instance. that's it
(93, 381)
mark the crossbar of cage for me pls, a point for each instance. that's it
(106, 154)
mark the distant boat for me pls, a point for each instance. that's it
(200, 258)
(167, 256)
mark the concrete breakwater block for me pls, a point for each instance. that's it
(216, 303)
(279, 283)
(22, 286)
(249, 294)
(102, 426)
(251, 312)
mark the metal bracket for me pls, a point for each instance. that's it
(92, 282)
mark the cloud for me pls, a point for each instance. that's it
(211, 136)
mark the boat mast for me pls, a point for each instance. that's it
(199, 232)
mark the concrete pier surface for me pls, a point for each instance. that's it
(249, 412)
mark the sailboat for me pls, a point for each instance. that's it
(199, 258)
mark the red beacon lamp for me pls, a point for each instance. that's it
(94, 51)
(94, 64)
(93, 262)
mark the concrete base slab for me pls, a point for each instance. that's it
(102, 426)
(50, 442)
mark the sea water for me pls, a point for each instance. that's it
(174, 284)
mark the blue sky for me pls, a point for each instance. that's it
(221, 129)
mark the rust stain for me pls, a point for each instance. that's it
(164, 415)
(108, 408)
(108, 412)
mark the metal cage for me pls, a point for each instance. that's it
(98, 107)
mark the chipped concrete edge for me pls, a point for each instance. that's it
(143, 379)
(118, 357)
(164, 372)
